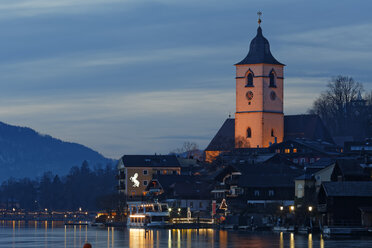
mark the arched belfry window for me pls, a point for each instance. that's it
(250, 79)
(272, 133)
(272, 79)
(249, 132)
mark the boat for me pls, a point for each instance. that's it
(148, 215)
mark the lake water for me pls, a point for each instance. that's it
(18, 234)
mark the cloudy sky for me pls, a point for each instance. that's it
(143, 76)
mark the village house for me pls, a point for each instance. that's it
(136, 171)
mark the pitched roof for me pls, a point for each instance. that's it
(259, 51)
(150, 161)
(224, 140)
(351, 189)
(184, 186)
(350, 167)
(309, 173)
(295, 126)
(305, 126)
(265, 176)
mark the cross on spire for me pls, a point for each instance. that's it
(259, 13)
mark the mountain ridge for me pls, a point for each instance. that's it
(25, 152)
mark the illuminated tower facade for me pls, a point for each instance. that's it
(259, 118)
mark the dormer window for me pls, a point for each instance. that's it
(249, 80)
(272, 79)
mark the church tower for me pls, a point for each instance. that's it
(259, 118)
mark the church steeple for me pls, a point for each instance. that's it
(259, 51)
(259, 118)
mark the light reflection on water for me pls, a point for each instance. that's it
(17, 234)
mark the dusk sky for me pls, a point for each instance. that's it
(139, 77)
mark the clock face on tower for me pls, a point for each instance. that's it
(249, 95)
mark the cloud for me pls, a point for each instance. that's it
(29, 8)
(125, 122)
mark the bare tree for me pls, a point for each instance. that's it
(342, 108)
(189, 148)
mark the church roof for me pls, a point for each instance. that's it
(259, 51)
(309, 127)
(305, 126)
(224, 140)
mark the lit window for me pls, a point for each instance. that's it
(287, 150)
(272, 79)
(249, 80)
(164, 172)
(294, 150)
(249, 132)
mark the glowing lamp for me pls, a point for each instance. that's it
(292, 208)
(310, 208)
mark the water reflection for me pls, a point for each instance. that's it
(55, 234)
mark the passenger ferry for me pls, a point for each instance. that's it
(142, 215)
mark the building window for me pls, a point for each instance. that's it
(191, 204)
(295, 161)
(294, 150)
(272, 133)
(200, 205)
(145, 182)
(249, 79)
(277, 150)
(287, 150)
(272, 79)
(144, 172)
(256, 193)
(300, 192)
(271, 192)
(164, 172)
(174, 172)
(249, 132)
(158, 172)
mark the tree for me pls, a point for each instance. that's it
(189, 149)
(342, 108)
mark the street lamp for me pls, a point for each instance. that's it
(310, 208)
(281, 208)
(292, 208)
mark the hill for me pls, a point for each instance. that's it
(27, 153)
